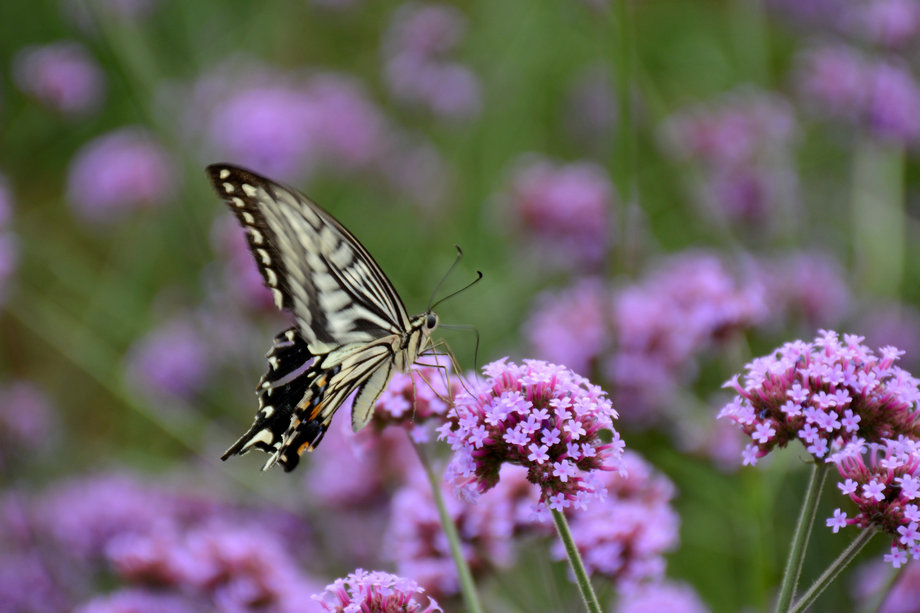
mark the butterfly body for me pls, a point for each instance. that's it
(352, 330)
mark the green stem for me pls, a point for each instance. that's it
(467, 587)
(800, 538)
(581, 576)
(842, 561)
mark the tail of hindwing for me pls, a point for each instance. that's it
(290, 394)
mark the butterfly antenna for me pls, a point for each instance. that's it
(431, 303)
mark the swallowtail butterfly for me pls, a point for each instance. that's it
(352, 330)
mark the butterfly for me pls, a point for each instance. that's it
(351, 332)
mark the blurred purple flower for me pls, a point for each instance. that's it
(417, 70)
(124, 170)
(567, 209)
(736, 128)
(264, 122)
(894, 324)
(690, 303)
(624, 536)
(27, 586)
(902, 597)
(889, 23)
(537, 415)
(665, 596)
(375, 591)
(807, 286)
(883, 480)
(825, 393)
(62, 76)
(882, 96)
(572, 326)
(172, 359)
(416, 542)
(591, 109)
(350, 130)
(357, 470)
(134, 600)
(27, 420)
(741, 142)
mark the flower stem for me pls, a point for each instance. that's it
(467, 587)
(800, 538)
(581, 576)
(809, 597)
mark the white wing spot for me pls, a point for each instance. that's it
(248, 218)
(224, 173)
(238, 202)
(256, 235)
(266, 259)
(289, 335)
(264, 436)
(278, 298)
(268, 411)
(228, 187)
(273, 362)
(249, 190)
(272, 277)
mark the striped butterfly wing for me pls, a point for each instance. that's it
(349, 318)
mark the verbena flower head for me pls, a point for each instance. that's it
(624, 536)
(806, 286)
(566, 208)
(134, 600)
(62, 76)
(27, 420)
(825, 393)
(375, 591)
(883, 480)
(541, 416)
(119, 172)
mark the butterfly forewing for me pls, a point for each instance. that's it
(351, 331)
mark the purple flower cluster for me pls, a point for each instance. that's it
(891, 24)
(902, 597)
(287, 124)
(119, 172)
(644, 336)
(157, 545)
(624, 537)
(566, 209)
(883, 480)
(572, 326)
(540, 416)
(689, 303)
(171, 360)
(741, 143)
(62, 76)
(825, 393)
(418, 72)
(881, 96)
(416, 542)
(375, 591)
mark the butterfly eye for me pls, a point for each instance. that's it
(432, 321)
